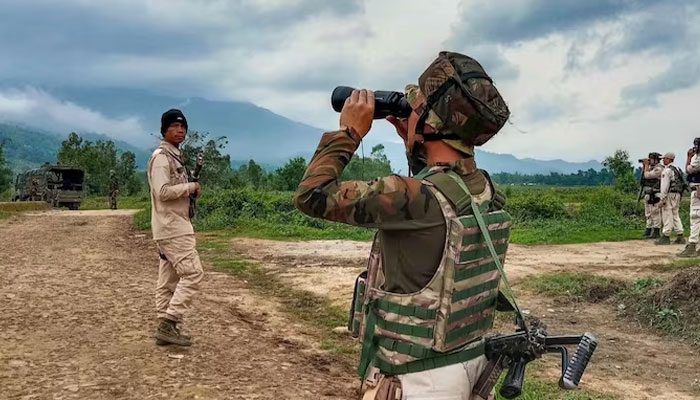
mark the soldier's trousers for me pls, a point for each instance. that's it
(179, 275)
(653, 214)
(453, 382)
(694, 217)
(113, 201)
(669, 214)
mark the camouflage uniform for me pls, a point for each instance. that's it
(411, 230)
(113, 190)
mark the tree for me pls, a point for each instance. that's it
(289, 175)
(217, 166)
(377, 165)
(5, 171)
(97, 160)
(623, 171)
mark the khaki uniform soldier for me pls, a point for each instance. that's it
(653, 169)
(180, 270)
(404, 349)
(692, 167)
(113, 190)
(670, 195)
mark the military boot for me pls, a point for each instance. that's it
(689, 251)
(679, 240)
(655, 233)
(167, 333)
(663, 240)
(647, 233)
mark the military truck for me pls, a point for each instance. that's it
(59, 185)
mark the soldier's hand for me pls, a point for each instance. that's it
(401, 125)
(197, 189)
(358, 112)
(691, 152)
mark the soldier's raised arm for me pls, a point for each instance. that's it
(382, 203)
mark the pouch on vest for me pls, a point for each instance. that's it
(356, 306)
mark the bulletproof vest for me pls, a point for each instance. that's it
(678, 183)
(653, 184)
(443, 323)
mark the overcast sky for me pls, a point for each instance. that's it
(582, 78)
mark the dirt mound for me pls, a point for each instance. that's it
(681, 290)
(673, 306)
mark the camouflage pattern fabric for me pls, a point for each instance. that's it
(113, 191)
(391, 202)
(460, 93)
(415, 98)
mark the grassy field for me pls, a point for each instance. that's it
(540, 215)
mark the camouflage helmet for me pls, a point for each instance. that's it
(458, 92)
(415, 98)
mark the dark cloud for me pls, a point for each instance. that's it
(601, 34)
(48, 41)
(682, 74)
(513, 21)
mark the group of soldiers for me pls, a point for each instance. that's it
(663, 185)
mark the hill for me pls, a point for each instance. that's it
(27, 147)
(253, 132)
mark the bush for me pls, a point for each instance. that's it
(536, 206)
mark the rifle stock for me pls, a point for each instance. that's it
(514, 351)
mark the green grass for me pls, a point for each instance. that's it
(539, 389)
(10, 209)
(123, 202)
(679, 264)
(668, 306)
(569, 232)
(576, 286)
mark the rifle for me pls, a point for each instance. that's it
(641, 183)
(514, 351)
(194, 177)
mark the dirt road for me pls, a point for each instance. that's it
(77, 319)
(630, 363)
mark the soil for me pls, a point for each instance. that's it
(630, 362)
(77, 321)
(77, 307)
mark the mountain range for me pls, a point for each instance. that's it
(253, 132)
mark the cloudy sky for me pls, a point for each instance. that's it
(582, 78)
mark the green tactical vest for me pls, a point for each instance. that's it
(443, 323)
(678, 184)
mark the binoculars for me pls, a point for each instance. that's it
(385, 102)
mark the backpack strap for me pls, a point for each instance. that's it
(508, 293)
(460, 198)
